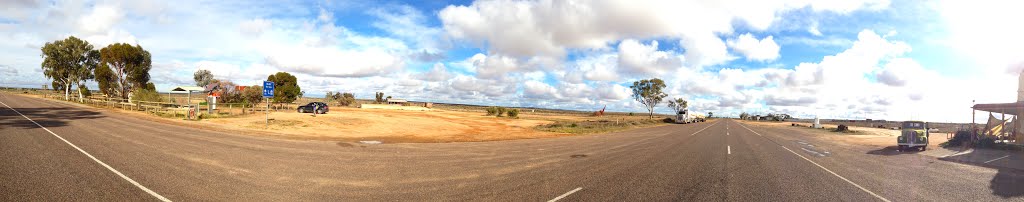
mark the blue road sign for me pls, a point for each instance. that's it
(268, 89)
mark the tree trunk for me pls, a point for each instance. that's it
(67, 86)
(80, 98)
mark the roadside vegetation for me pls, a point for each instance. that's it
(602, 125)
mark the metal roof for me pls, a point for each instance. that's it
(1016, 108)
(184, 89)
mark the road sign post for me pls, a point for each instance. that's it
(268, 92)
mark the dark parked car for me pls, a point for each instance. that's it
(321, 108)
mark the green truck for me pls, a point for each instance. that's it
(914, 136)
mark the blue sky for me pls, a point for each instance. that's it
(845, 59)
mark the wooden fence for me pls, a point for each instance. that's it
(176, 106)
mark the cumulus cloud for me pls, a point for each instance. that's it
(548, 27)
(101, 19)
(438, 73)
(753, 49)
(636, 58)
(899, 71)
(536, 89)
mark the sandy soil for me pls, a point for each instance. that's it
(386, 125)
(352, 124)
(875, 137)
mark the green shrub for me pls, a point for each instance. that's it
(146, 95)
(513, 113)
(959, 138)
(631, 114)
(501, 111)
(987, 142)
(491, 111)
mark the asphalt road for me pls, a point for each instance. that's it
(67, 152)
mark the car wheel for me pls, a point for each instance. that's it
(923, 148)
(899, 148)
(299, 110)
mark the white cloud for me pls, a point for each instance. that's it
(636, 58)
(753, 49)
(536, 89)
(899, 71)
(438, 73)
(548, 27)
(101, 19)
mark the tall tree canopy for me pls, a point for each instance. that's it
(679, 104)
(107, 80)
(130, 67)
(69, 62)
(286, 87)
(202, 77)
(649, 93)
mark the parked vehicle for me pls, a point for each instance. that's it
(314, 107)
(914, 136)
(684, 116)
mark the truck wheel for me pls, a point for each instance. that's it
(923, 148)
(899, 148)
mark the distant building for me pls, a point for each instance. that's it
(394, 101)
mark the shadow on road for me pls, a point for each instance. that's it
(1008, 183)
(890, 151)
(47, 117)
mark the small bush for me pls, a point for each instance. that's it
(959, 138)
(631, 114)
(146, 95)
(501, 111)
(573, 125)
(986, 142)
(513, 113)
(668, 120)
(491, 111)
(842, 128)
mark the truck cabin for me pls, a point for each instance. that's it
(914, 125)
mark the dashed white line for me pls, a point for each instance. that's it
(703, 129)
(566, 194)
(728, 149)
(837, 175)
(990, 161)
(151, 192)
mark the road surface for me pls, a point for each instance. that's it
(56, 151)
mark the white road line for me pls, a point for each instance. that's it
(151, 192)
(566, 194)
(728, 149)
(755, 132)
(703, 129)
(837, 175)
(990, 161)
(726, 133)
